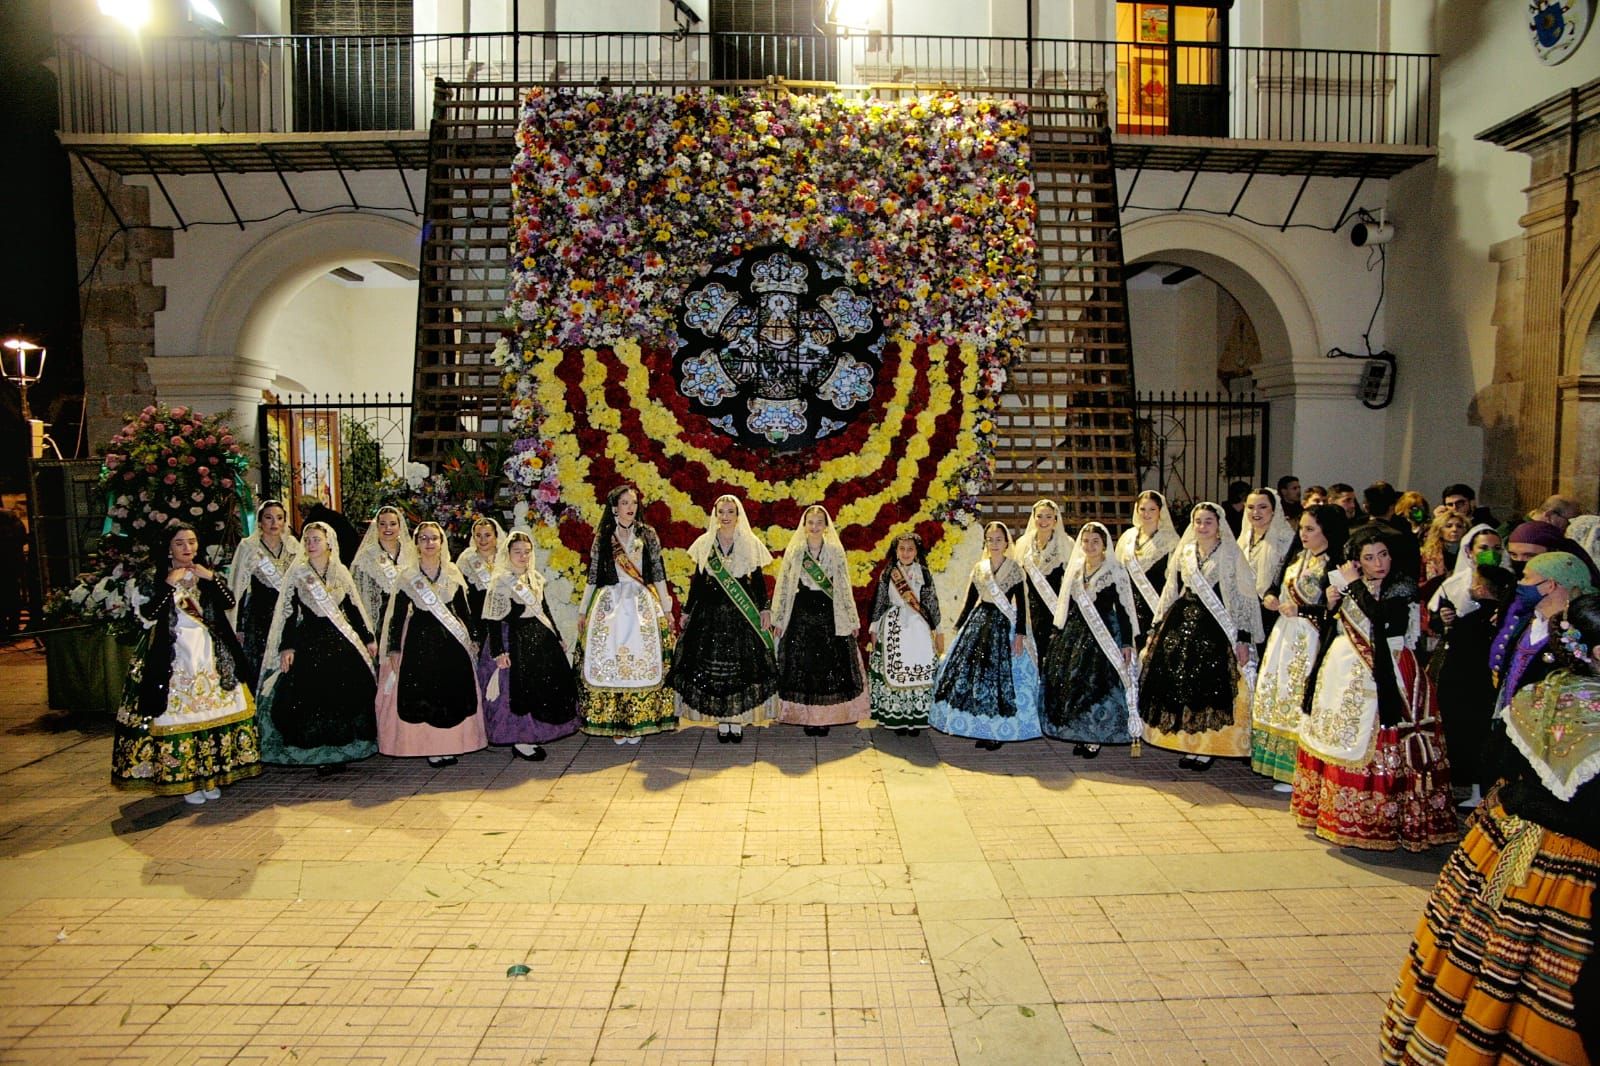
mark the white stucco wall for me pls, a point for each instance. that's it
(1449, 216)
(350, 339)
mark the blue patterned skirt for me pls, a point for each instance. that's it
(981, 690)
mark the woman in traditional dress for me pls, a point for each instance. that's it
(255, 578)
(1467, 610)
(724, 670)
(319, 683)
(428, 697)
(1266, 540)
(1194, 690)
(1143, 550)
(386, 549)
(1503, 965)
(987, 688)
(476, 563)
(530, 690)
(1299, 599)
(904, 640)
(187, 722)
(820, 679)
(626, 628)
(1372, 771)
(1090, 691)
(1042, 553)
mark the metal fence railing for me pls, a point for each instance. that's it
(1191, 445)
(338, 450)
(300, 83)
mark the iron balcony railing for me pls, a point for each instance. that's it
(313, 84)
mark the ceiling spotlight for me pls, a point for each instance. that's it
(206, 10)
(133, 14)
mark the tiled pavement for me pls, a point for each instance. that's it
(859, 898)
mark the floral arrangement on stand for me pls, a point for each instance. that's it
(167, 465)
(465, 487)
(621, 202)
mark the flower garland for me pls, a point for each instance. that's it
(621, 201)
(174, 464)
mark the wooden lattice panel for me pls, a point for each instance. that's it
(1066, 423)
(461, 293)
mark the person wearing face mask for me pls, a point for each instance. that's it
(1467, 610)
(1502, 967)
(1534, 538)
(1549, 579)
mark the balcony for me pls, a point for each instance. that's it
(206, 105)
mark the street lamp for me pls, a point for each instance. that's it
(22, 364)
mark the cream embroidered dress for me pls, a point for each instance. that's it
(903, 656)
(1286, 668)
(626, 643)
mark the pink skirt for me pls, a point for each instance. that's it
(410, 739)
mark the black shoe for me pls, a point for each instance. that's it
(1200, 766)
(330, 769)
(821, 731)
(737, 737)
(1080, 750)
(442, 760)
(1091, 751)
(1186, 763)
(915, 732)
(724, 738)
(538, 754)
(988, 745)
(811, 730)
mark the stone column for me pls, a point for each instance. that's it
(1546, 382)
(118, 301)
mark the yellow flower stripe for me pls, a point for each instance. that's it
(662, 425)
(573, 468)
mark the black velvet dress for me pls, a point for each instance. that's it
(438, 684)
(255, 620)
(722, 668)
(320, 711)
(1084, 700)
(1191, 677)
(538, 698)
(1039, 615)
(1464, 685)
(1158, 581)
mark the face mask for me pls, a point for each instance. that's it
(1528, 594)
(1487, 557)
(1518, 566)
(1418, 514)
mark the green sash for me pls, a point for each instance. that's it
(736, 592)
(814, 571)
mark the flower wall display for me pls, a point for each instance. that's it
(623, 204)
(167, 465)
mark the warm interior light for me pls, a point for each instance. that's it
(852, 14)
(133, 14)
(206, 10)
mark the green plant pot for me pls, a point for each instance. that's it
(86, 668)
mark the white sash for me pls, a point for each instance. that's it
(322, 605)
(1196, 580)
(266, 568)
(1040, 583)
(390, 572)
(1102, 636)
(476, 570)
(1136, 574)
(523, 594)
(422, 594)
(985, 578)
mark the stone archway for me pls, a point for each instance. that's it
(235, 364)
(1311, 397)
